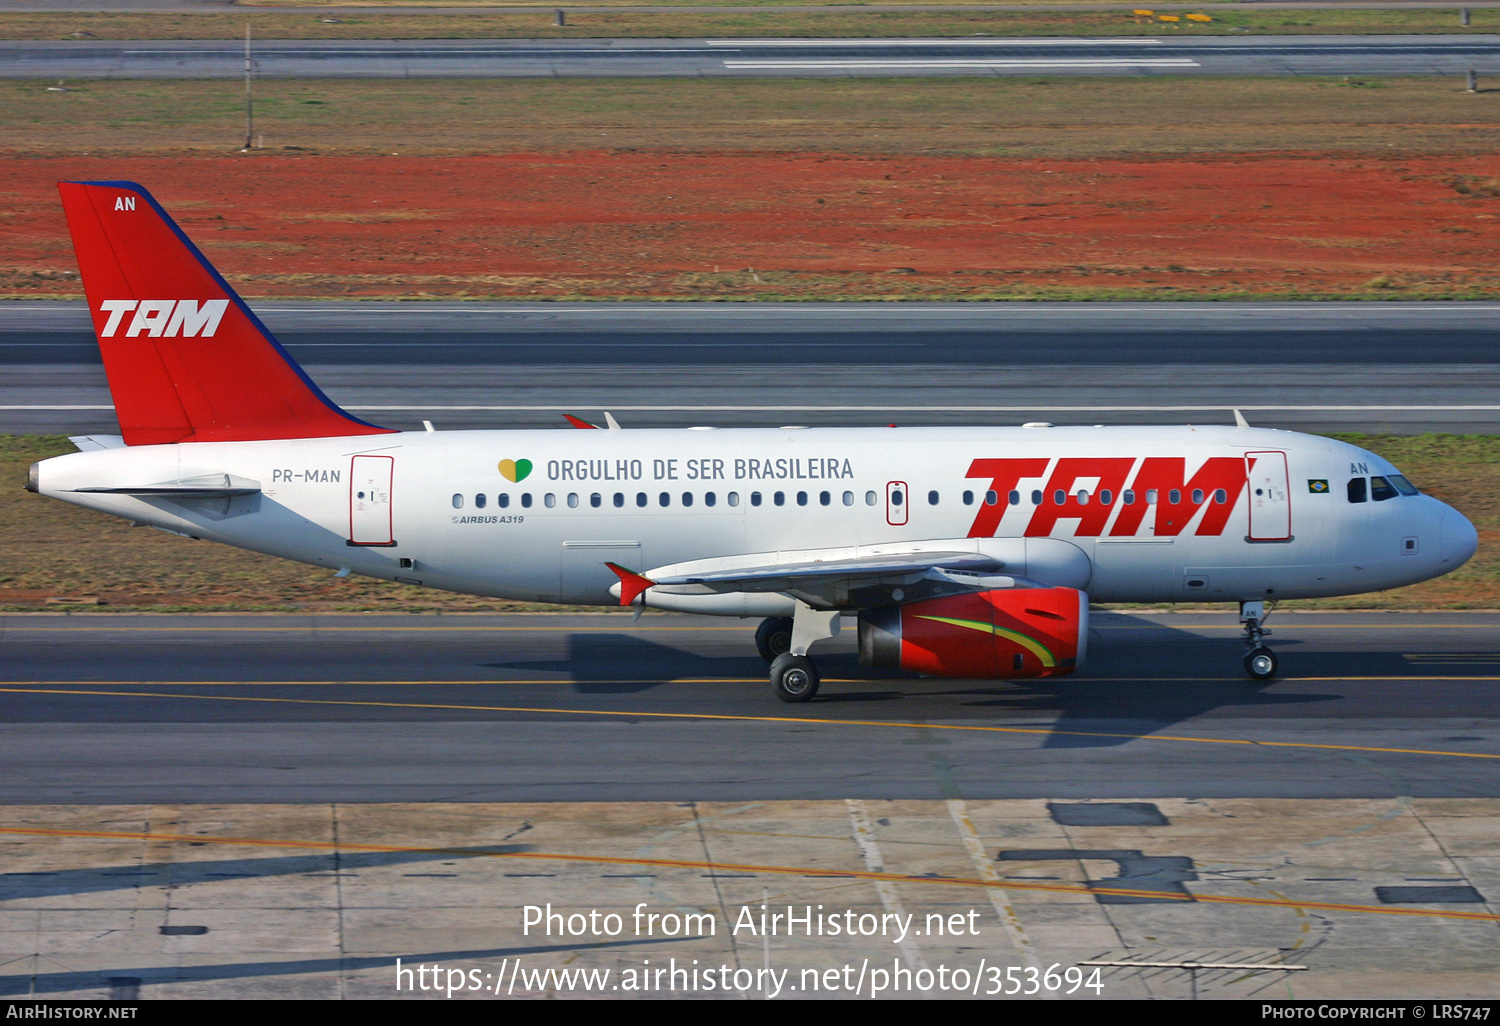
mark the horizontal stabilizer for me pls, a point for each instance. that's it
(209, 486)
(93, 443)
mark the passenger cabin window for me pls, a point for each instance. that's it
(1357, 489)
(802, 498)
(1036, 498)
(1059, 497)
(1174, 496)
(640, 498)
(779, 498)
(503, 499)
(458, 501)
(526, 499)
(1197, 496)
(991, 498)
(968, 498)
(734, 498)
(897, 498)
(1128, 497)
(550, 500)
(1083, 496)
(1220, 496)
(1151, 496)
(755, 498)
(480, 500)
(848, 498)
(709, 498)
(1014, 498)
(619, 499)
(1106, 497)
(572, 500)
(869, 498)
(1381, 489)
(825, 498)
(687, 498)
(932, 498)
(665, 498)
(596, 500)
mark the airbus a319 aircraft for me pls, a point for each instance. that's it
(958, 552)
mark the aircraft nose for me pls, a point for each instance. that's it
(1460, 539)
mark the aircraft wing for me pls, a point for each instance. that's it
(846, 578)
(780, 577)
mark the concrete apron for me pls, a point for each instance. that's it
(1375, 898)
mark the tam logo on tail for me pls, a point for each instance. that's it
(167, 318)
(168, 386)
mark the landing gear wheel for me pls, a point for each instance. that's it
(1260, 663)
(794, 678)
(773, 637)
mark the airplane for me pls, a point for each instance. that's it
(967, 552)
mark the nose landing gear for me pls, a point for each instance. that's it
(1260, 661)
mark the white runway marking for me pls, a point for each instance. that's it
(554, 407)
(933, 42)
(896, 62)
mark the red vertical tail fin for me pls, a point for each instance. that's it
(187, 360)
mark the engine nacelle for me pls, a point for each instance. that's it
(1004, 634)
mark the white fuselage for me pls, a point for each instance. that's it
(1206, 521)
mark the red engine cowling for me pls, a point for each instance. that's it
(1005, 634)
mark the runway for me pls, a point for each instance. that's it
(167, 709)
(1396, 367)
(759, 58)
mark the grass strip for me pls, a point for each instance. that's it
(365, 21)
(1048, 117)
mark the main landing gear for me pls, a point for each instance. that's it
(795, 678)
(1260, 661)
(783, 642)
(774, 637)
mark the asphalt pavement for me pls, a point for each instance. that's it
(123, 709)
(755, 58)
(1398, 367)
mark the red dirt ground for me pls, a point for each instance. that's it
(808, 224)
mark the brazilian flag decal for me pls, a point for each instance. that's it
(1318, 486)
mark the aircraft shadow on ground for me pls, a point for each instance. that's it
(624, 664)
(1137, 682)
(134, 978)
(15, 886)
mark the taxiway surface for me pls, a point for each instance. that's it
(1381, 367)
(486, 708)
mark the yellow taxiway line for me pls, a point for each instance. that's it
(728, 717)
(614, 860)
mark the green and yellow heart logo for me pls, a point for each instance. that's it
(515, 470)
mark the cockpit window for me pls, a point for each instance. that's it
(1403, 486)
(1357, 489)
(1381, 489)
